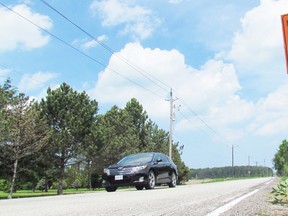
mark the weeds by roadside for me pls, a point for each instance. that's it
(281, 192)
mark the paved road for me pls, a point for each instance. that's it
(197, 199)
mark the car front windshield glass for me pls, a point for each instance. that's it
(136, 159)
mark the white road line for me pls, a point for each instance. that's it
(229, 205)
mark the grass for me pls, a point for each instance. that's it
(39, 193)
(205, 181)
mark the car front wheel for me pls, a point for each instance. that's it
(111, 189)
(151, 180)
(173, 180)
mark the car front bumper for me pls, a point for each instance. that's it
(127, 180)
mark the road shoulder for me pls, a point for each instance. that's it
(260, 203)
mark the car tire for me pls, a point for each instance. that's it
(139, 187)
(111, 189)
(151, 181)
(173, 180)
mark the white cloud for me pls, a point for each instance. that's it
(212, 86)
(234, 110)
(92, 43)
(139, 22)
(258, 54)
(17, 32)
(258, 47)
(87, 43)
(212, 92)
(272, 114)
(34, 81)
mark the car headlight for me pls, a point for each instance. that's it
(107, 171)
(137, 168)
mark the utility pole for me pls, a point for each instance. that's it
(232, 160)
(233, 171)
(171, 122)
(249, 168)
(264, 169)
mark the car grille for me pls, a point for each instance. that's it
(124, 171)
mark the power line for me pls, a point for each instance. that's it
(201, 120)
(18, 72)
(135, 67)
(200, 129)
(138, 69)
(81, 52)
(126, 61)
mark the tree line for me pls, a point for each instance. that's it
(230, 172)
(63, 141)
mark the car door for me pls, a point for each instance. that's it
(162, 164)
(159, 168)
(166, 168)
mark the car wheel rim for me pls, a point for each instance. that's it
(173, 179)
(151, 180)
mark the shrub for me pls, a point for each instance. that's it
(4, 186)
(76, 184)
(64, 185)
(281, 192)
(41, 184)
(28, 186)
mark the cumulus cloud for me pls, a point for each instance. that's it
(213, 92)
(34, 81)
(137, 21)
(258, 47)
(17, 32)
(211, 86)
(272, 114)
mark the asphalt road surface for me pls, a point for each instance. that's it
(194, 199)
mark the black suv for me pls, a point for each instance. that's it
(141, 170)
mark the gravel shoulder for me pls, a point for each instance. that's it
(260, 204)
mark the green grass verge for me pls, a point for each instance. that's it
(38, 193)
(205, 181)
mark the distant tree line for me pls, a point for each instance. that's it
(230, 172)
(62, 141)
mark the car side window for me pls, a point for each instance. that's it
(164, 159)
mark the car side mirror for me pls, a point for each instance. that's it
(159, 160)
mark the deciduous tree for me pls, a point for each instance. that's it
(23, 131)
(281, 159)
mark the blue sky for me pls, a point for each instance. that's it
(223, 59)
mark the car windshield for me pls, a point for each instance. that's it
(136, 159)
